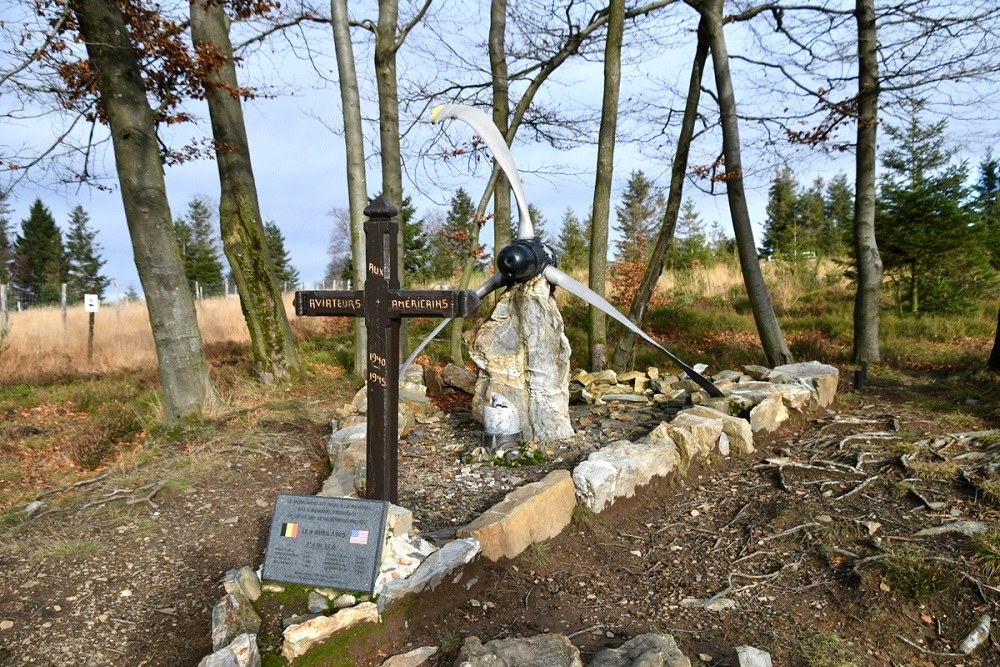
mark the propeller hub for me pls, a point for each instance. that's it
(524, 259)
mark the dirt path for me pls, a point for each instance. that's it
(809, 548)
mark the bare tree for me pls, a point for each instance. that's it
(501, 113)
(868, 261)
(243, 238)
(354, 140)
(626, 344)
(601, 211)
(775, 348)
(184, 375)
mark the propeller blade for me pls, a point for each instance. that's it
(488, 132)
(495, 282)
(560, 279)
(420, 348)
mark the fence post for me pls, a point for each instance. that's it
(62, 303)
(3, 307)
(118, 298)
(225, 280)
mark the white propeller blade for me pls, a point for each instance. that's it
(413, 355)
(560, 279)
(495, 281)
(488, 132)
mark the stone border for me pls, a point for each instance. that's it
(755, 400)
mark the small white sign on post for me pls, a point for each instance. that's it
(91, 302)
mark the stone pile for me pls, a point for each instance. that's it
(755, 399)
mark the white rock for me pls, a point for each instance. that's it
(414, 658)
(820, 379)
(241, 652)
(432, 571)
(300, 638)
(753, 657)
(621, 467)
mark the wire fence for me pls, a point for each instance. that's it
(18, 298)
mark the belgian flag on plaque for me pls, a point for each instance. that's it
(290, 530)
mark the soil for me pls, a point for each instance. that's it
(813, 539)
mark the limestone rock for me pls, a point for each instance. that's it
(531, 513)
(317, 604)
(300, 638)
(243, 580)
(737, 430)
(241, 652)
(523, 355)
(398, 521)
(620, 468)
(706, 430)
(769, 414)
(348, 459)
(820, 379)
(432, 571)
(749, 656)
(689, 446)
(459, 378)
(401, 556)
(414, 658)
(414, 375)
(756, 372)
(733, 405)
(652, 650)
(550, 650)
(232, 617)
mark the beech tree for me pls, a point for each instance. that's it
(244, 239)
(114, 72)
(768, 329)
(357, 179)
(597, 333)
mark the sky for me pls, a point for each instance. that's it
(299, 161)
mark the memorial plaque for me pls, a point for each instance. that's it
(330, 542)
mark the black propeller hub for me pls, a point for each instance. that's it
(524, 259)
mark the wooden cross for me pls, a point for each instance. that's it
(383, 304)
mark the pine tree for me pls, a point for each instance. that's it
(83, 258)
(839, 206)
(416, 251)
(40, 267)
(639, 217)
(987, 202)
(571, 246)
(200, 248)
(449, 242)
(690, 241)
(925, 224)
(782, 227)
(285, 273)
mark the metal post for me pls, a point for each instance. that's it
(3, 307)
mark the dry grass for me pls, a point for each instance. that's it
(40, 345)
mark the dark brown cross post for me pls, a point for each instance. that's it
(383, 305)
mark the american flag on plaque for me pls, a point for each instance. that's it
(359, 537)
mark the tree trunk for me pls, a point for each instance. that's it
(655, 267)
(601, 211)
(775, 348)
(994, 363)
(388, 124)
(869, 262)
(501, 113)
(357, 188)
(243, 239)
(184, 376)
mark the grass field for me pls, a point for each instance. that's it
(63, 415)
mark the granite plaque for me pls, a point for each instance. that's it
(330, 542)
